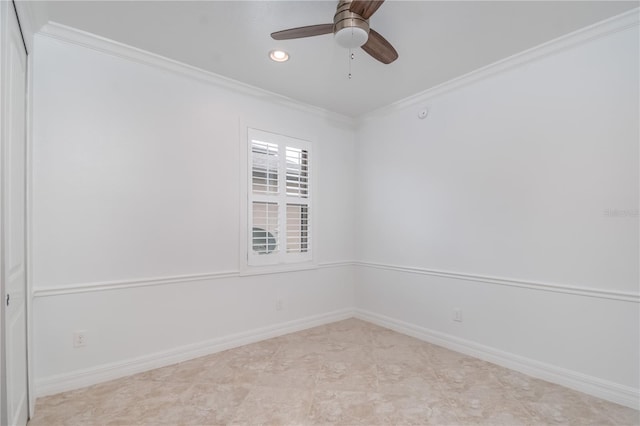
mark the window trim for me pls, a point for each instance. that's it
(251, 264)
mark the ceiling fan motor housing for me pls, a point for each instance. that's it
(350, 29)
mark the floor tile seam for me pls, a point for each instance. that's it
(605, 414)
(312, 394)
(510, 393)
(372, 341)
(277, 351)
(517, 400)
(233, 415)
(544, 419)
(439, 382)
(454, 410)
(441, 392)
(609, 416)
(255, 387)
(317, 374)
(375, 366)
(218, 361)
(532, 413)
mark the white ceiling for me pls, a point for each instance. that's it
(436, 40)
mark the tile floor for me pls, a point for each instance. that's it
(349, 373)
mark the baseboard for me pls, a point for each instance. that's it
(607, 390)
(604, 389)
(82, 378)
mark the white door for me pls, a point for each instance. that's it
(12, 242)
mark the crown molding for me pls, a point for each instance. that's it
(82, 38)
(104, 45)
(600, 29)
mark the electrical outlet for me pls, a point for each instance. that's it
(279, 305)
(79, 339)
(457, 314)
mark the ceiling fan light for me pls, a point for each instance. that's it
(351, 37)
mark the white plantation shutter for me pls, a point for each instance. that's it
(264, 167)
(265, 229)
(297, 175)
(297, 228)
(279, 227)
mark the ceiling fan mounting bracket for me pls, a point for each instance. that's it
(345, 18)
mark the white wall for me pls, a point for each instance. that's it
(512, 176)
(136, 182)
(495, 204)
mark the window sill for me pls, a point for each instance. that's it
(277, 269)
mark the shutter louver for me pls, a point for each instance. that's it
(297, 176)
(265, 227)
(297, 228)
(264, 171)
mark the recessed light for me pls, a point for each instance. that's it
(279, 55)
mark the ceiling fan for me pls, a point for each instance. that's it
(350, 28)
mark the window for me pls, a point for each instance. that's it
(279, 198)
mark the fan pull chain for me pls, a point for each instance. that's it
(351, 57)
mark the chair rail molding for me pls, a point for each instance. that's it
(600, 293)
(59, 290)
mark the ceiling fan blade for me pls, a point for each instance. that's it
(301, 32)
(378, 47)
(365, 8)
